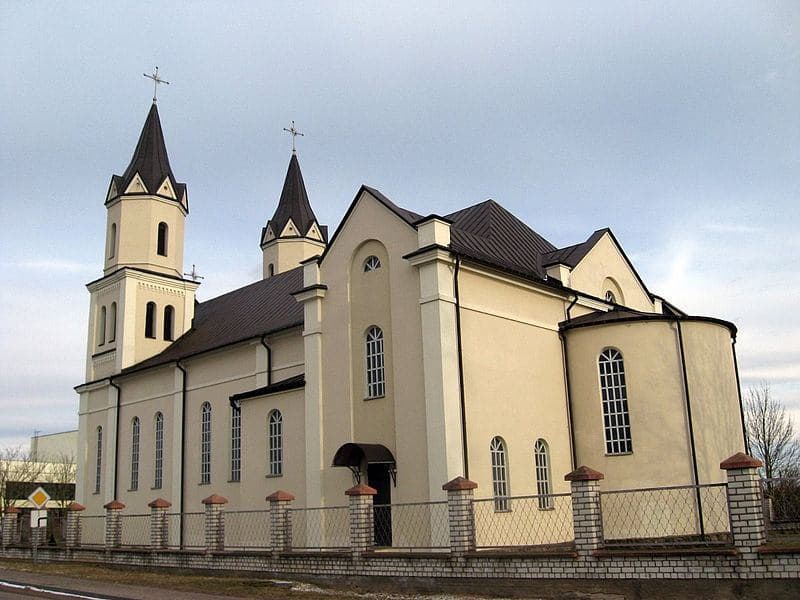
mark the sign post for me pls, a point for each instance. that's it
(39, 498)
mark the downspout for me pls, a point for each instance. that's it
(269, 359)
(183, 445)
(116, 435)
(691, 430)
(461, 395)
(739, 391)
(565, 357)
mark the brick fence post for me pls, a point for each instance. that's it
(587, 518)
(461, 515)
(114, 524)
(72, 536)
(745, 504)
(159, 527)
(280, 521)
(215, 523)
(10, 526)
(362, 519)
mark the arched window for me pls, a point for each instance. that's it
(616, 421)
(271, 269)
(101, 327)
(205, 443)
(112, 322)
(135, 427)
(610, 297)
(499, 474)
(375, 375)
(150, 320)
(112, 240)
(98, 461)
(541, 456)
(236, 443)
(372, 263)
(163, 235)
(158, 467)
(275, 454)
(169, 318)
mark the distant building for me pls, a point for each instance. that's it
(401, 351)
(55, 447)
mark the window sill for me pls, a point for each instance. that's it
(502, 510)
(546, 508)
(133, 490)
(234, 481)
(619, 454)
(368, 398)
(204, 483)
(156, 487)
(96, 493)
(271, 476)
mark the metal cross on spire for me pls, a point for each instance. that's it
(194, 274)
(156, 80)
(293, 130)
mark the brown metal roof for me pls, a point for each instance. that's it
(572, 255)
(150, 160)
(262, 307)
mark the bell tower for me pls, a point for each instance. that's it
(293, 233)
(142, 302)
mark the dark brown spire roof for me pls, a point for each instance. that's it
(293, 204)
(150, 160)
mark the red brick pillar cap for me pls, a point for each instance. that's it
(74, 506)
(12, 510)
(361, 490)
(114, 505)
(280, 496)
(215, 499)
(458, 484)
(584, 473)
(159, 503)
(740, 460)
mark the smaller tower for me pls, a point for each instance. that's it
(292, 234)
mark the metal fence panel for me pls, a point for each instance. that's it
(93, 530)
(194, 530)
(696, 514)
(135, 530)
(418, 525)
(247, 530)
(782, 504)
(524, 521)
(320, 528)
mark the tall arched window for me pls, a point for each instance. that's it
(236, 443)
(499, 474)
(101, 327)
(205, 443)
(150, 320)
(135, 431)
(275, 454)
(541, 456)
(270, 270)
(112, 240)
(98, 461)
(163, 235)
(616, 421)
(376, 386)
(169, 318)
(158, 467)
(112, 322)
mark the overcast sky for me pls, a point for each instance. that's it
(675, 124)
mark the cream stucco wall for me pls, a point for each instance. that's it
(605, 261)
(285, 254)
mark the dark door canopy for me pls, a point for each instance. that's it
(352, 455)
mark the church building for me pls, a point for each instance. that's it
(401, 350)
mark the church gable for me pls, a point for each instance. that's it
(604, 269)
(167, 190)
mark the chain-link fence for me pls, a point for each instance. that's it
(412, 526)
(135, 530)
(247, 530)
(93, 530)
(186, 530)
(320, 528)
(523, 521)
(782, 505)
(689, 514)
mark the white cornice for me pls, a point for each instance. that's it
(142, 277)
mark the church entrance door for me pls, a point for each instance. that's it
(379, 478)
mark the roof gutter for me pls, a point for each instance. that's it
(459, 348)
(269, 359)
(565, 358)
(739, 392)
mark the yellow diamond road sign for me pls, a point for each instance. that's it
(39, 497)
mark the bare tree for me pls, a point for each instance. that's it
(16, 464)
(62, 472)
(771, 433)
